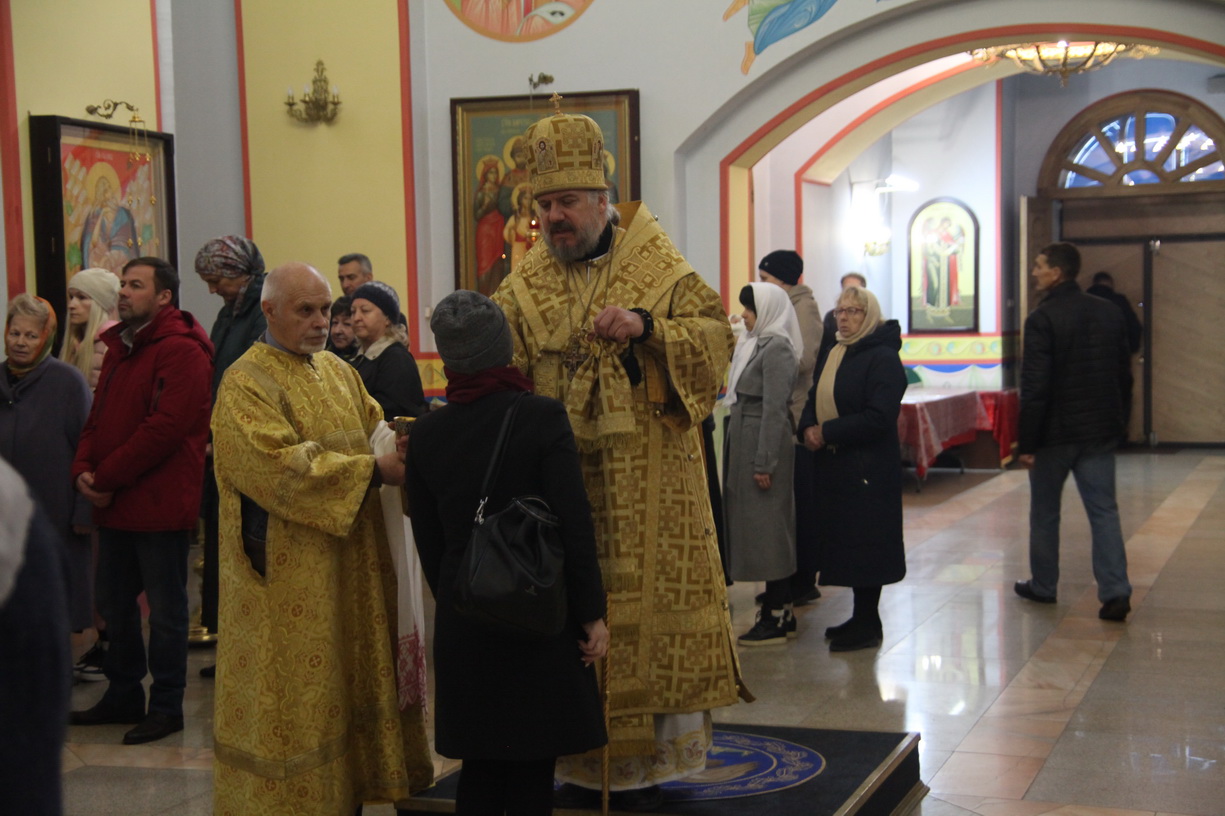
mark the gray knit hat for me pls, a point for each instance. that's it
(471, 333)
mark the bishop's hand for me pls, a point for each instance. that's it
(617, 324)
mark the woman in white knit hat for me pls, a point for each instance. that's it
(93, 295)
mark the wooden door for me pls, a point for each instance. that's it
(1125, 263)
(1037, 217)
(1188, 366)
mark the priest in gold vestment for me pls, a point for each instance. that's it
(609, 318)
(307, 718)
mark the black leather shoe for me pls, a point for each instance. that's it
(638, 800)
(209, 671)
(153, 727)
(855, 637)
(106, 714)
(1115, 609)
(804, 599)
(1023, 589)
(832, 632)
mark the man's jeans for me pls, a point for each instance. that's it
(1092, 464)
(155, 563)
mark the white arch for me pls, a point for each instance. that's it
(711, 166)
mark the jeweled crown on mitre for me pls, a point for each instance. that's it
(566, 152)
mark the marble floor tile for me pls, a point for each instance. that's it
(934, 806)
(1022, 709)
(1174, 719)
(1142, 755)
(1128, 791)
(997, 775)
(992, 736)
(109, 791)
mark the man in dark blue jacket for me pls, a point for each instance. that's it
(1074, 375)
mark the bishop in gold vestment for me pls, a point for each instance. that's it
(307, 719)
(636, 409)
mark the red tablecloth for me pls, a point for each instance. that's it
(1002, 408)
(934, 419)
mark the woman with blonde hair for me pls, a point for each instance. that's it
(43, 406)
(93, 295)
(850, 420)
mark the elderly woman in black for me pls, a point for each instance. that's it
(43, 406)
(850, 420)
(507, 707)
(387, 369)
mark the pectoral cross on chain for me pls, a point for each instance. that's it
(573, 357)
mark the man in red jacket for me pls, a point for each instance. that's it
(140, 462)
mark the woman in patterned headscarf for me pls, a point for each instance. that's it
(233, 268)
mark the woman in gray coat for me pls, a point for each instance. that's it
(759, 456)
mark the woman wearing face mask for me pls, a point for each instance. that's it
(758, 500)
(92, 297)
(388, 370)
(850, 420)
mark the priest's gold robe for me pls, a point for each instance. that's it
(307, 720)
(642, 457)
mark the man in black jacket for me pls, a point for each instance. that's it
(1074, 375)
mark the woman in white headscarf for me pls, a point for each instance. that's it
(93, 295)
(759, 456)
(850, 420)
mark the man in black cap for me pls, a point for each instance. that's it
(783, 268)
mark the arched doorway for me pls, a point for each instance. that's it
(1139, 185)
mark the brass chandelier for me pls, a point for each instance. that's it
(1062, 59)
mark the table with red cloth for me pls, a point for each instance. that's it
(933, 420)
(1002, 408)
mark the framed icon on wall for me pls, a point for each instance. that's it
(492, 193)
(943, 268)
(102, 195)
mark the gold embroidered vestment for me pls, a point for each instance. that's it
(642, 457)
(307, 720)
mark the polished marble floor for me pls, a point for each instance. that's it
(1023, 709)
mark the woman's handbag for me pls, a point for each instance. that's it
(511, 575)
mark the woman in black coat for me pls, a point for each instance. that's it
(387, 369)
(508, 707)
(850, 420)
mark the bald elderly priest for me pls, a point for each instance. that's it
(307, 718)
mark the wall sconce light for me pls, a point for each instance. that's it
(138, 130)
(896, 184)
(319, 103)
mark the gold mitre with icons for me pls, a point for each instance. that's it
(565, 152)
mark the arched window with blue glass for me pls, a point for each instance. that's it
(1148, 142)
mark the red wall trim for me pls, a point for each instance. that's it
(10, 164)
(410, 182)
(850, 128)
(157, 65)
(242, 119)
(920, 49)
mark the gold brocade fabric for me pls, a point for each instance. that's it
(307, 720)
(672, 647)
